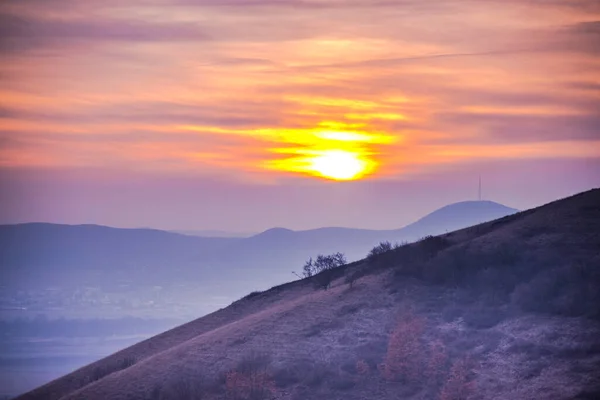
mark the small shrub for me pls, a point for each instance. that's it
(399, 245)
(98, 373)
(183, 389)
(127, 362)
(317, 374)
(288, 375)
(404, 357)
(451, 268)
(372, 352)
(254, 361)
(104, 370)
(352, 277)
(494, 285)
(342, 382)
(531, 349)
(538, 294)
(156, 393)
(386, 254)
(363, 370)
(431, 245)
(452, 312)
(588, 394)
(507, 255)
(438, 360)
(459, 385)
(323, 279)
(349, 309)
(323, 326)
(570, 290)
(249, 386)
(483, 318)
(250, 380)
(308, 269)
(252, 294)
(381, 248)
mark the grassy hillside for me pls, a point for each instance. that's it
(502, 310)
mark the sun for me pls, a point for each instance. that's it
(339, 165)
(334, 151)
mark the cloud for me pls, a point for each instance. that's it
(29, 27)
(307, 4)
(585, 36)
(509, 128)
(224, 83)
(231, 114)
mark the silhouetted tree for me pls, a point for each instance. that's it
(323, 263)
(324, 278)
(351, 278)
(382, 247)
(322, 268)
(309, 268)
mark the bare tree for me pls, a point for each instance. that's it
(322, 267)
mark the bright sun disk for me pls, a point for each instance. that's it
(338, 165)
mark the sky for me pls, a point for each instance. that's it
(242, 115)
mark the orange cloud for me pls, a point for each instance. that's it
(255, 91)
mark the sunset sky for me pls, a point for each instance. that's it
(246, 114)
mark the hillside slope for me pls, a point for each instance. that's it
(502, 310)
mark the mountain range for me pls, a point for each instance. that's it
(37, 255)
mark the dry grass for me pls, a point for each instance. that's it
(364, 344)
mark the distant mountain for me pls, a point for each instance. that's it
(215, 233)
(456, 216)
(508, 310)
(43, 253)
(38, 255)
(281, 250)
